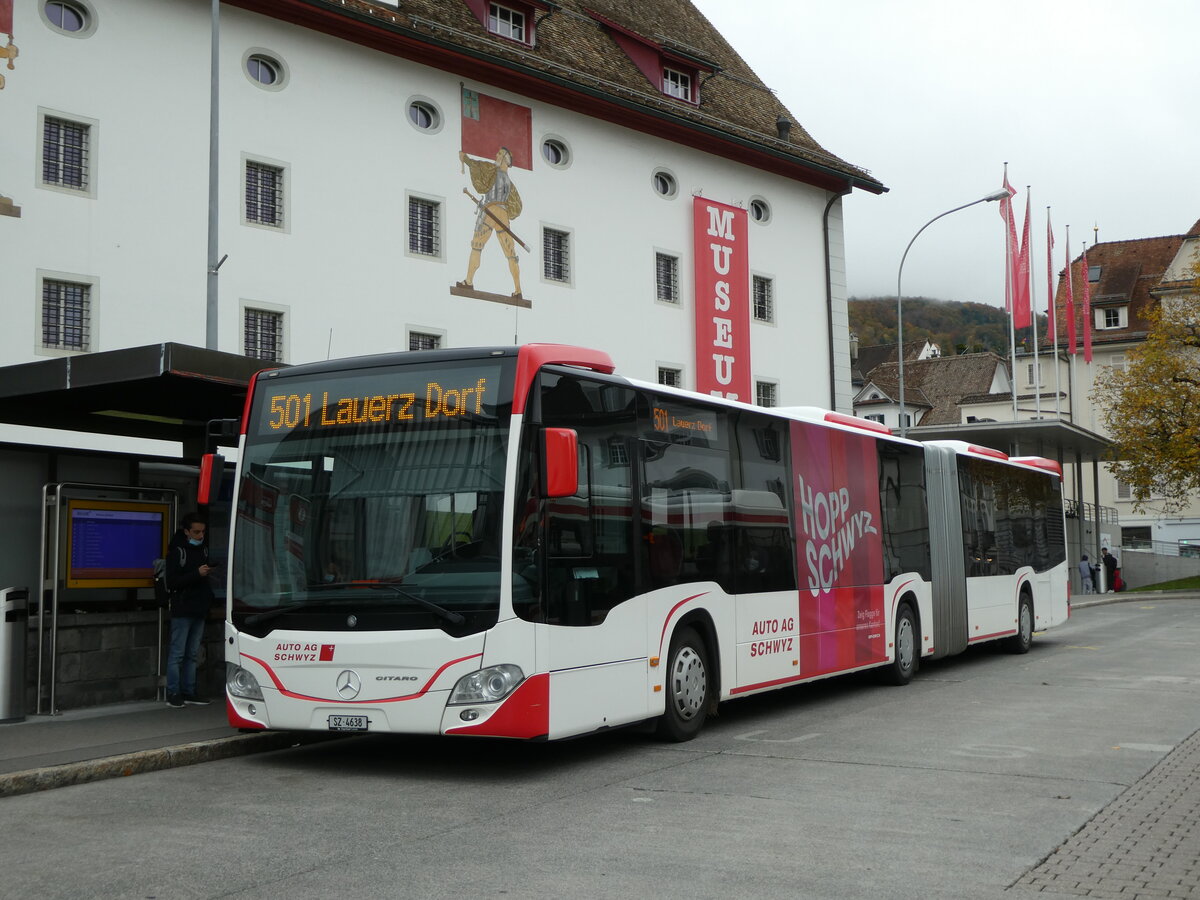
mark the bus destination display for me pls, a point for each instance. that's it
(394, 399)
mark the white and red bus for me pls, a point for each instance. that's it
(515, 542)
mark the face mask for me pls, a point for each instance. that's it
(194, 542)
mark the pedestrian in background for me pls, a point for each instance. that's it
(191, 594)
(1085, 574)
(1110, 569)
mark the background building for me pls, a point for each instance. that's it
(643, 192)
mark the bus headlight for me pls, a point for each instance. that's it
(241, 683)
(487, 685)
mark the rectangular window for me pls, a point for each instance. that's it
(670, 377)
(764, 393)
(666, 277)
(264, 194)
(677, 84)
(506, 22)
(263, 334)
(874, 417)
(424, 228)
(1033, 374)
(66, 315)
(1112, 318)
(65, 153)
(420, 341)
(556, 255)
(764, 299)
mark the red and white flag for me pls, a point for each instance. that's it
(1010, 238)
(1070, 299)
(1051, 306)
(1021, 292)
(1087, 310)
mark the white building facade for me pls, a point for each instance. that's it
(347, 140)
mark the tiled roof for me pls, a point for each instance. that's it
(575, 54)
(942, 383)
(870, 358)
(1129, 271)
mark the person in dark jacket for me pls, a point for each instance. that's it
(1110, 569)
(191, 596)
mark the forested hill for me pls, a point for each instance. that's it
(955, 326)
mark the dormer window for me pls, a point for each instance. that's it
(506, 22)
(671, 67)
(677, 84)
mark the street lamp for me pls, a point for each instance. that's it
(995, 195)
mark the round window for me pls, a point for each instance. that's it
(760, 211)
(555, 152)
(262, 70)
(423, 115)
(69, 16)
(664, 183)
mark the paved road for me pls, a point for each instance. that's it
(986, 777)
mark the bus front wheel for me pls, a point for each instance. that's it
(1023, 639)
(688, 687)
(903, 666)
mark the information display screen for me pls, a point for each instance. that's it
(113, 543)
(395, 398)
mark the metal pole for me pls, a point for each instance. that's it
(995, 195)
(210, 324)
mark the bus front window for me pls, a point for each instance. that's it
(371, 528)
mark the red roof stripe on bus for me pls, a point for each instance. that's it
(857, 422)
(424, 689)
(987, 451)
(1039, 462)
(531, 357)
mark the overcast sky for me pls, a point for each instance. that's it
(1093, 104)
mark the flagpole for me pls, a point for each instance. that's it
(1052, 309)
(1037, 366)
(1070, 329)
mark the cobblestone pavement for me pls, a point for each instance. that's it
(1144, 844)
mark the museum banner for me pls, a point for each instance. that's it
(722, 299)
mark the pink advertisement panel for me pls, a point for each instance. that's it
(722, 263)
(839, 546)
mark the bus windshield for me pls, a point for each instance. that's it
(371, 500)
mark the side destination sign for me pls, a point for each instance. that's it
(394, 398)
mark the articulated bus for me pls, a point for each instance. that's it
(515, 542)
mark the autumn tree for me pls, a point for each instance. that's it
(1152, 408)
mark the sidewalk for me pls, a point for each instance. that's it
(44, 752)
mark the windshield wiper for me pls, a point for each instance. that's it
(273, 613)
(451, 617)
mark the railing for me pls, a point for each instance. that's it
(1164, 548)
(1106, 515)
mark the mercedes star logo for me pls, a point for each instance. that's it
(348, 684)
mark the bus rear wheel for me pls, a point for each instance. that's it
(688, 687)
(1023, 639)
(903, 666)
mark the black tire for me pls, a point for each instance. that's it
(688, 687)
(1023, 639)
(904, 666)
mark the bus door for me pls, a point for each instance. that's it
(948, 554)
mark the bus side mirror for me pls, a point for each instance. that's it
(212, 467)
(560, 448)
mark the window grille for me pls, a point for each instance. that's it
(424, 227)
(666, 277)
(263, 334)
(618, 452)
(506, 22)
(556, 255)
(764, 299)
(65, 153)
(670, 377)
(764, 393)
(419, 341)
(66, 315)
(264, 194)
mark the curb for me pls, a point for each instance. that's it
(139, 761)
